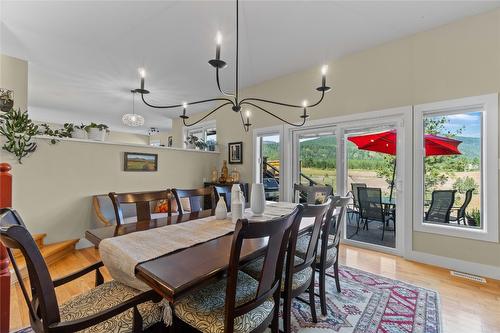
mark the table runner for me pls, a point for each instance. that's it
(122, 254)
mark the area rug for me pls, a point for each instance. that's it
(369, 303)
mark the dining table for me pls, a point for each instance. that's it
(179, 272)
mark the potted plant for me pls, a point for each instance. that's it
(79, 132)
(97, 132)
(193, 142)
(19, 131)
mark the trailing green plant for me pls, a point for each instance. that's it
(18, 130)
(64, 132)
(102, 127)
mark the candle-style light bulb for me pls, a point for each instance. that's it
(218, 40)
(142, 73)
(184, 105)
(304, 103)
(324, 70)
(248, 114)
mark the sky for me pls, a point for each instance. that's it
(471, 123)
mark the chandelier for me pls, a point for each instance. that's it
(132, 119)
(232, 99)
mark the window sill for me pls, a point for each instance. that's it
(455, 231)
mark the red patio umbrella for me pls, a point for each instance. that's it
(385, 142)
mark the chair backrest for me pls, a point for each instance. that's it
(224, 191)
(278, 232)
(467, 200)
(142, 201)
(43, 307)
(441, 205)
(370, 203)
(355, 187)
(310, 192)
(318, 212)
(199, 199)
(333, 225)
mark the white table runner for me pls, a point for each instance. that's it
(122, 254)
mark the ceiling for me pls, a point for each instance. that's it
(83, 55)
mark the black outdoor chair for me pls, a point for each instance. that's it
(371, 208)
(308, 194)
(461, 210)
(354, 209)
(441, 205)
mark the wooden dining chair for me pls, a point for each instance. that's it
(142, 201)
(299, 272)
(328, 246)
(238, 302)
(224, 191)
(109, 307)
(309, 194)
(199, 199)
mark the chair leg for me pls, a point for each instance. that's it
(287, 314)
(383, 229)
(336, 274)
(276, 316)
(312, 303)
(322, 290)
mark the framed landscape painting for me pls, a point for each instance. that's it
(235, 152)
(141, 162)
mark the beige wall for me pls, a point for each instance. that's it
(14, 76)
(457, 60)
(53, 187)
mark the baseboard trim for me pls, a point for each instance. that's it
(488, 271)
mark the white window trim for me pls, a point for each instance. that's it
(489, 167)
(256, 167)
(201, 126)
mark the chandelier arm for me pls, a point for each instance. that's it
(245, 127)
(272, 114)
(218, 85)
(207, 115)
(180, 105)
(281, 103)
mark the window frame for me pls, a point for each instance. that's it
(488, 105)
(203, 127)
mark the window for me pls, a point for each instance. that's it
(456, 152)
(206, 133)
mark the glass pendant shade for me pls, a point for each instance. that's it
(133, 120)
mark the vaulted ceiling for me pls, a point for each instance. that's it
(83, 55)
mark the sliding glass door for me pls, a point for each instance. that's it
(269, 164)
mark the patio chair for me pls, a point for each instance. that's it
(354, 207)
(441, 205)
(461, 210)
(371, 208)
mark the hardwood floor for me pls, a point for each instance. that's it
(467, 307)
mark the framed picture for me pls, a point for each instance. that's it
(141, 162)
(235, 152)
(170, 141)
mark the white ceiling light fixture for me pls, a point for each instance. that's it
(133, 119)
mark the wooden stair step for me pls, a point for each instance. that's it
(39, 241)
(50, 253)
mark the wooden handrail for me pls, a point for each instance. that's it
(5, 201)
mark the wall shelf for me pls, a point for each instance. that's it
(44, 137)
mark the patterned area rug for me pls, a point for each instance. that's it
(369, 303)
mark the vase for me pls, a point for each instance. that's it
(79, 133)
(96, 134)
(257, 199)
(221, 209)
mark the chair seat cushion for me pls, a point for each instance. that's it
(299, 279)
(104, 297)
(204, 308)
(303, 243)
